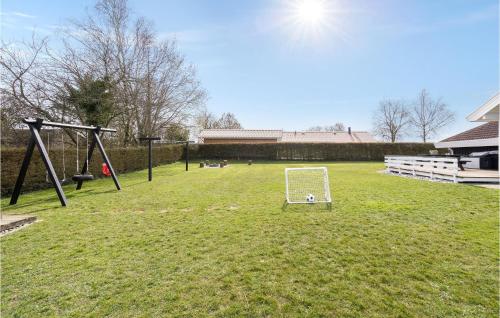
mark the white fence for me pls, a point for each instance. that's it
(432, 167)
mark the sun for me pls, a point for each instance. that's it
(310, 12)
(309, 20)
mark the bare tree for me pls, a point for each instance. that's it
(428, 115)
(228, 121)
(205, 120)
(151, 84)
(390, 120)
(155, 86)
(337, 127)
(24, 90)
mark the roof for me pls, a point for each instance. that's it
(483, 135)
(288, 136)
(489, 111)
(240, 134)
(326, 137)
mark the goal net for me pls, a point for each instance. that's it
(307, 185)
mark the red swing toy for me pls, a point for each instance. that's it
(105, 170)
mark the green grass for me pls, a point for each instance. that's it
(215, 242)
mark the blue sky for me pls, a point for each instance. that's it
(257, 64)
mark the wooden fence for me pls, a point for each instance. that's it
(445, 168)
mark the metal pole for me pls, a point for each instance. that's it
(150, 154)
(150, 172)
(187, 155)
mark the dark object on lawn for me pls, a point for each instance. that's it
(202, 164)
(82, 177)
(249, 162)
(225, 163)
(10, 222)
(150, 155)
(36, 140)
(221, 164)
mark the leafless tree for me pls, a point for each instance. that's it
(155, 87)
(152, 85)
(24, 88)
(205, 120)
(337, 127)
(391, 119)
(228, 121)
(428, 115)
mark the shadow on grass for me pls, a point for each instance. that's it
(304, 207)
(51, 198)
(136, 183)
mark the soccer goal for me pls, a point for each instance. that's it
(307, 185)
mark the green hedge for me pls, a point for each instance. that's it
(122, 159)
(294, 151)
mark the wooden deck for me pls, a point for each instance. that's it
(478, 175)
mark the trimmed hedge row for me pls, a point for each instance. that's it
(122, 159)
(294, 151)
(132, 159)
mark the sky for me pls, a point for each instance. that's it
(276, 66)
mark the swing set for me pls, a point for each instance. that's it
(79, 178)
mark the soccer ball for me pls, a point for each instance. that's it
(310, 198)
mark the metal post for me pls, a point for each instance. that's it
(150, 154)
(150, 160)
(187, 155)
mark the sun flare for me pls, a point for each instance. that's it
(310, 12)
(309, 20)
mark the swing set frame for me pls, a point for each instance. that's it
(36, 140)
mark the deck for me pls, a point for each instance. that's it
(478, 175)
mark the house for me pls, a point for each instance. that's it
(259, 136)
(478, 139)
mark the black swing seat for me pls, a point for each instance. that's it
(82, 177)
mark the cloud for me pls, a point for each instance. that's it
(17, 14)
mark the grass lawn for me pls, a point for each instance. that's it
(215, 242)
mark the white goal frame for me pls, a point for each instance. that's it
(325, 198)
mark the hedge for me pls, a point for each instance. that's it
(132, 159)
(122, 159)
(294, 151)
